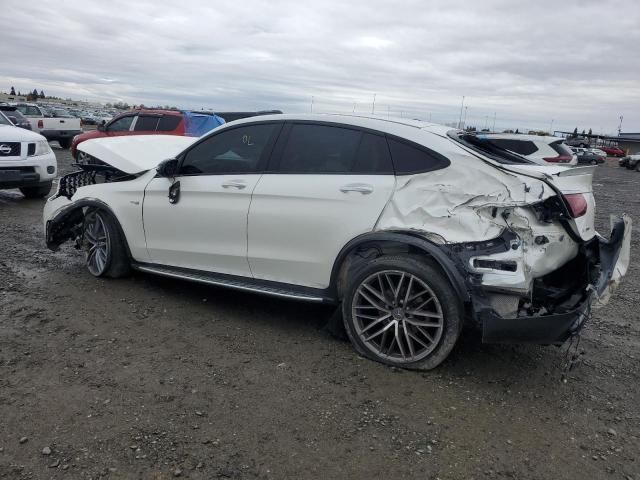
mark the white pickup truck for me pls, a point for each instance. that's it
(55, 124)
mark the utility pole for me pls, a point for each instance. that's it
(373, 105)
(354, 107)
(620, 126)
(464, 122)
(460, 119)
(311, 103)
(494, 122)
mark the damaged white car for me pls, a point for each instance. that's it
(412, 228)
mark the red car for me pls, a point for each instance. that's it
(150, 122)
(613, 151)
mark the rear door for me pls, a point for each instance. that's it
(326, 184)
(146, 124)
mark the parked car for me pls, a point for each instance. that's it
(582, 142)
(409, 227)
(148, 122)
(539, 149)
(633, 162)
(590, 158)
(12, 113)
(613, 151)
(26, 160)
(599, 152)
(61, 128)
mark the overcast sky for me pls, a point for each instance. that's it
(573, 62)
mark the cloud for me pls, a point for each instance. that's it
(572, 61)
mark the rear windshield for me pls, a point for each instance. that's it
(561, 148)
(486, 147)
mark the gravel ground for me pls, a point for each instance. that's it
(151, 378)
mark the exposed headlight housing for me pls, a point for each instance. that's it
(42, 148)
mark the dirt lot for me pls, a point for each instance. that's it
(151, 378)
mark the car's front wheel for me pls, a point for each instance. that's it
(102, 241)
(402, 311)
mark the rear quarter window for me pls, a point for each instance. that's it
(410, 158)
(169, 123)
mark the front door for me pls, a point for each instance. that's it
(206, 229)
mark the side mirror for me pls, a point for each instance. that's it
(168, 168)
(101, 127)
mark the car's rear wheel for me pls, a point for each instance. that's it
(106, 253)
(38, 191)
(65, 143)
(402, 311)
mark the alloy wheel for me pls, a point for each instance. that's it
(397, 316)
(97, 244)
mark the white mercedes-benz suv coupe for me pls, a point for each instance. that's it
(411, 229)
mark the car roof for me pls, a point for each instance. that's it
(388, 125)
(151, 111)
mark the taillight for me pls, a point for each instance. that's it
(559, 159)
(577, 204)
(40, 123)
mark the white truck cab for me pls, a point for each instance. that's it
(26, 160)
(57, 125)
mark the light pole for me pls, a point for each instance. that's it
(464, 122)
(311, 103)
(460, 119)
(373, 105)
(494, 122)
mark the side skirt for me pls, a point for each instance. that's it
(265, 287)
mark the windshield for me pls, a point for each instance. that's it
(487, 148)
(4, 120)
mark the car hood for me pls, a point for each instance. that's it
(9, 133)
(135, 154)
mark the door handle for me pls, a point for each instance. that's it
(363, 188)
(238, 184)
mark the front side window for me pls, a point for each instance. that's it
(319, 149)
(234, 150)
(122, 124)
(146, 123)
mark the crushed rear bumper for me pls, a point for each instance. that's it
(612, 260)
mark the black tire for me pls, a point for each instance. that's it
(38, 191)
(594, 162)
(65, 143)
(447, 305)
(637, 167)
(116, 262)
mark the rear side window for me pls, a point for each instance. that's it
(169, 123)
(521, 147)
(373, 156)
(319, 149)
(29, 110)
(408, 159)
(146, 123)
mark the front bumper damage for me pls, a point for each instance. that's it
(558, 304)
